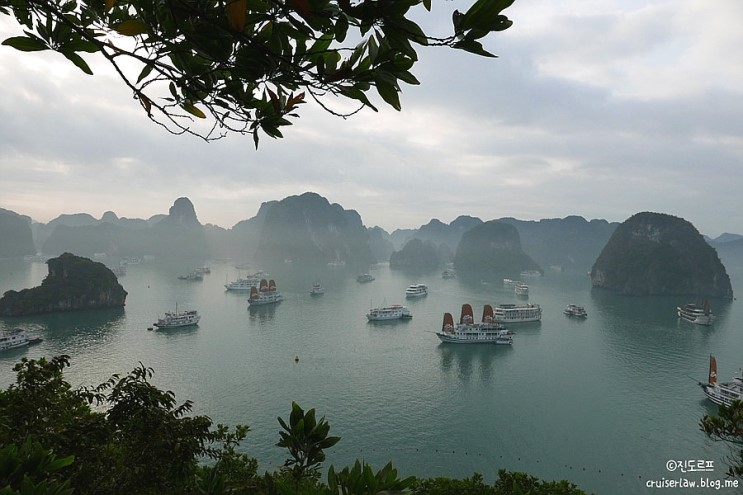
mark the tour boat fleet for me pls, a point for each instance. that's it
(394, 312)
(724, 393)
(488, 331)
(416, 290)
(265, 293)
(699, 315)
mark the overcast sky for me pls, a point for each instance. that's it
(598, 108)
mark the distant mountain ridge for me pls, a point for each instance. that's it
(178, 233)
(319, 230)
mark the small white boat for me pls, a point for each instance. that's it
(468, 332)
(11, 339)
(204, 270)
(178, 319)
(317, 289)
(265, 293)
(575, 310)
(721, 393)
(449, 273)
(508, 283)
(194, 276)
(394, 312)
(365, 277)
(521, 289)
(416, 290)
(699, 315)
(517, 313)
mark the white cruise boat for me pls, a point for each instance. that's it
(700, 315)
(517, 313)
(247, 283)
(575, 310)
(317, 289)
(10, 339)
(416, 290)
(178, 319)
(468, 332)
(521, 289)
(721, 393)
(265, 293)
(365, 277)
(194, 276)
(508, 283)
(394, 312)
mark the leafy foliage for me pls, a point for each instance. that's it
(143, 443)
(30, 469)
(305, 438)
(727, 426)
(247, 64)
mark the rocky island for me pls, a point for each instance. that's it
(659, 254)
(492, 248)
(73, 284)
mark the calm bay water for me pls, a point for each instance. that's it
(603, 402)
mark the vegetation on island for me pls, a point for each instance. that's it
(659, 254)
(126, 436)
(246, 65)
(74, 283)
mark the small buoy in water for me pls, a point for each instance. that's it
(149, 328)
(296, 359)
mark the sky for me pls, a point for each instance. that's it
(597, 108)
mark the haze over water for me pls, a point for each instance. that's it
(604, 402)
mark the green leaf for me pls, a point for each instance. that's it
(77, 60)
(473, 46)
(145, 72)
(357, 94)
(341, 27)
(81, 45)
(132, 27)
(25, 44)
(486, 14)
(193, 110)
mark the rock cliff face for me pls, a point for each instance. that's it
(492, 248)
(308, 228)
(16, 238)
(73, 284)
(655, 253)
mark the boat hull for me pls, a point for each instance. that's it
(455, 339)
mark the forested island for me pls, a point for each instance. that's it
(73, 284)
(659, 254)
